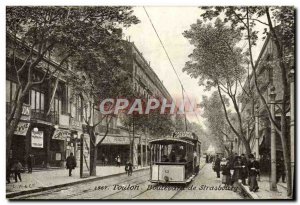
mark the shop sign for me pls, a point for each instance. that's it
(60, 134)
(37, 139)
(113, 140)
(75, 124)
(58, 156)
(22, 128)
(64, 120)
(25, 112)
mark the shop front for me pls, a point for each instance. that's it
(111, 147)
(38, 144)
(60, 146)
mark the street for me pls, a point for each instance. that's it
(96, 92)
(138, 187)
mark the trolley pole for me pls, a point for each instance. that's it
(142, 151)
(273, 182)
(184, 108)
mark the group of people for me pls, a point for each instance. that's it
(209, 158)
(17, 168)
(238, 168)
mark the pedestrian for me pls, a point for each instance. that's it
(129, 168)
(17, 169)
(103, 159)
(71, 163)
(139, 159)
(226, 173)
(29, 163)
(106, 161)
(217, 166)
(280, 169)
(118, 160)
(172, 155)
(206, 160)
(244, 169)
(253, 169)
(237, 166)
(8, 171)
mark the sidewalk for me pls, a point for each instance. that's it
(41, 180)
(264, 190)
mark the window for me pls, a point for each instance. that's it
(42, 101)
(32, 99)
(11, 88)
(37, 101)
(271, 76)
(8, 91)
(76, 109)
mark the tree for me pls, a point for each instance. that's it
(246, 18)
(217, 62)
(156, 124)
(61, 32)
(100, 75)
(216, 122)
(202, 135)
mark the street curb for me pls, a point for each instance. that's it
(246, 190)
(10, 196)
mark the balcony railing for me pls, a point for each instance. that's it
(53, 117)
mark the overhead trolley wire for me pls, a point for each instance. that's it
(165, 50)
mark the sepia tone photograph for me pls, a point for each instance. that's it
(150, 103)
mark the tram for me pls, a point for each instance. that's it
(175, 159)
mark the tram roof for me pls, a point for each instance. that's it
(169, 141)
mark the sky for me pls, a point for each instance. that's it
(170, 23)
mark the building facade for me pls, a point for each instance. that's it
(52, 119)
(255, 115)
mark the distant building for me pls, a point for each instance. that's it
(146, 83)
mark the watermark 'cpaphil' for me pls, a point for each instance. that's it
(145, 106)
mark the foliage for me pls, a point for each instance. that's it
(158, 125)
(216, 58)
(215, 119)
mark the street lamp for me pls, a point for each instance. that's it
(257, 131)
(292, 124)
(273, 182)
(35, 129)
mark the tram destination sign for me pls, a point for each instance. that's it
(184, 134)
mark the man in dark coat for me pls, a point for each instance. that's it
(217, 166)
(244, 168)
(237, 166)
(253, 169)
(129, 168)
(226, 173)
(280, 169)
(29, 163)
(17, 168)
(71, 163)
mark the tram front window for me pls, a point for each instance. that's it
(172, 153)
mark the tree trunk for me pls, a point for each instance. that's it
(239, 135)
(93, 154)
(11, 127)
(286, 154)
